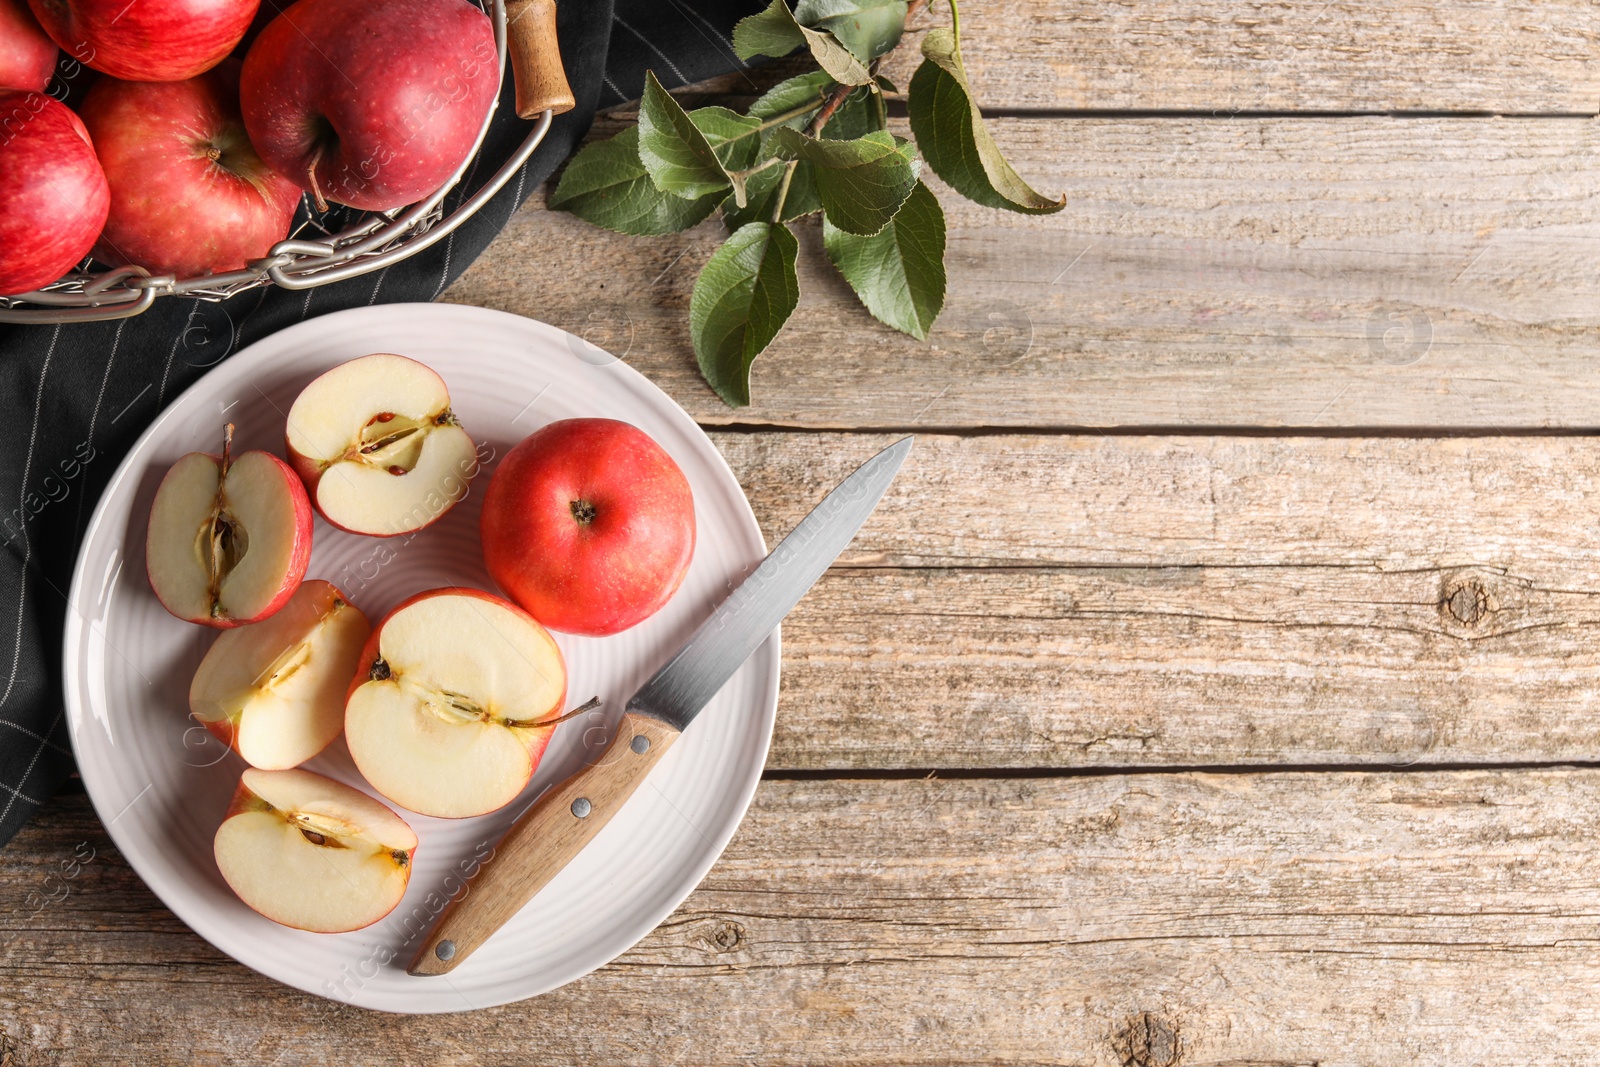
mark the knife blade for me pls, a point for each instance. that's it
(569, 815)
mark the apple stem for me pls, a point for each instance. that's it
(227, 456)
(316, 189)
(588, 705)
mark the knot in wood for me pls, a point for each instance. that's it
(1467, 602)
(1148, 1040)
(726, 935)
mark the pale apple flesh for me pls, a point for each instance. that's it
(452, 707)
(311, 853)
(274, 690)
(229, 539)
(378, 447)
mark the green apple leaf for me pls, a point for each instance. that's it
(607, 185)
(770, 32)
(868, 28)
(692, 155)
(811, 88)
(899, 272)
(861, 182)
(774, 32)
(741, 300)
(953, 138)
(763, 188)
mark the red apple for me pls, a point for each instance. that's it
(589, 525)
(27, 54)
(371, 103)
(189, 195)
(454, 701)
(229, 538)
(53, 194)
(147, 40)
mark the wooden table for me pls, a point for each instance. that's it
(1218, 684)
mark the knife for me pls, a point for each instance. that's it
(569, 814)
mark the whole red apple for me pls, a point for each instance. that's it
(147, 40)
(27, 54)
(53, 195)
(371, 103)
(189, 195)
(589, 525)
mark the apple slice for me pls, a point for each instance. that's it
(274, 691)
(229, 539)
(456, 697)
(378, 447)
(310, 853)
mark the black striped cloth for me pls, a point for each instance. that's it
(76, 397)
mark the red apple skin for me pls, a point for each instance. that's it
(223, 731)
(27, 54)
(166, 41)
(381, 99)
(369, 655)
(298, 561)
(602, 576)
(174, 208)
(53, 194)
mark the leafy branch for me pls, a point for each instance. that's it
(816, 143)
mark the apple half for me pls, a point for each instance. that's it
(229, 539)
(378, 447)
(274, 691)
(312, 853)
(455, 699)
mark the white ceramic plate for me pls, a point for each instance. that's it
(161, 784)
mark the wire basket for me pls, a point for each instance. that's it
(309, 257)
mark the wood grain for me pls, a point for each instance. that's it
(1174, 920)
(1368, 272)
(1517, 56)
(1067, 601)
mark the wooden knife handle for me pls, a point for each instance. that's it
(536, 58)
(542, 841)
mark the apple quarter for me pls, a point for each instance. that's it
(311, 853)
(378, 447)
(274, 690)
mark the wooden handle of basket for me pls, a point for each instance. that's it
(536, 58)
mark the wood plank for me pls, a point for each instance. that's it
(1273, 272)
(1022, 601)
(1516, 57)
(1170, 920)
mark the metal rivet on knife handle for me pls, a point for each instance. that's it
(445, 949)
(640, 744)
(581, 807)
